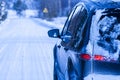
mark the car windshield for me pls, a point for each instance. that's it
(105, 32)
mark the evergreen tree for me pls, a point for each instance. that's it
(19, 6)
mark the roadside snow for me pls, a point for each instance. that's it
(11, 14)
(56, 23)
(27, 13)
(31, 13)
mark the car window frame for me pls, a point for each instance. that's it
(68, 24)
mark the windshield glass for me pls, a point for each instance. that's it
(105, 32)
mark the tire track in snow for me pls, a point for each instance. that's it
(14, 72)
(6, 61)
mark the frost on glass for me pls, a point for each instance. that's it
(105, 34)
(109, 31)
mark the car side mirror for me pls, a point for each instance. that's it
(54, 33)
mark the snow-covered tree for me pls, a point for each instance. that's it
(54, 7)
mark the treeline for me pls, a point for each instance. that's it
(56, 7)
(48, 8)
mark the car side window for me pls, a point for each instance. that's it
(74, 26)
(70, 20)
(81, 30)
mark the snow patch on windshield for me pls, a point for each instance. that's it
(105, 34)
(109, 30)
(95, 19)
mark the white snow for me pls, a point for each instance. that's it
(11, 14)
(27, 13)
(104, 26)
(101, 77)
(26, 50)
(31, 13)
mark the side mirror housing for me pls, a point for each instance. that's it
(54, 33)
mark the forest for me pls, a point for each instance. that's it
(47, 8)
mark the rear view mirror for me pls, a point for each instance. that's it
(54, 33)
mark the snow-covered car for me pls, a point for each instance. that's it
(89, 43)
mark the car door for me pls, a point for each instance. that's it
(75, 20)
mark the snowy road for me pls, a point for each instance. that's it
(25, 50)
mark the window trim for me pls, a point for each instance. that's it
(67, 26)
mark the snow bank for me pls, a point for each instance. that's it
(12, 14)
(31, 13)
(27, 13)
(53, 23)
(60, 21)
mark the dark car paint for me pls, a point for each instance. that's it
(65, 56)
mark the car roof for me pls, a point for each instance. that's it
(93, 5)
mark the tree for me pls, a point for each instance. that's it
(52, 7)
(19, 6)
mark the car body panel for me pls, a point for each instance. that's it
(80, 44)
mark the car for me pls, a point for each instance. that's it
(89, 43)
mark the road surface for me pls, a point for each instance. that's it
(25, 50)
